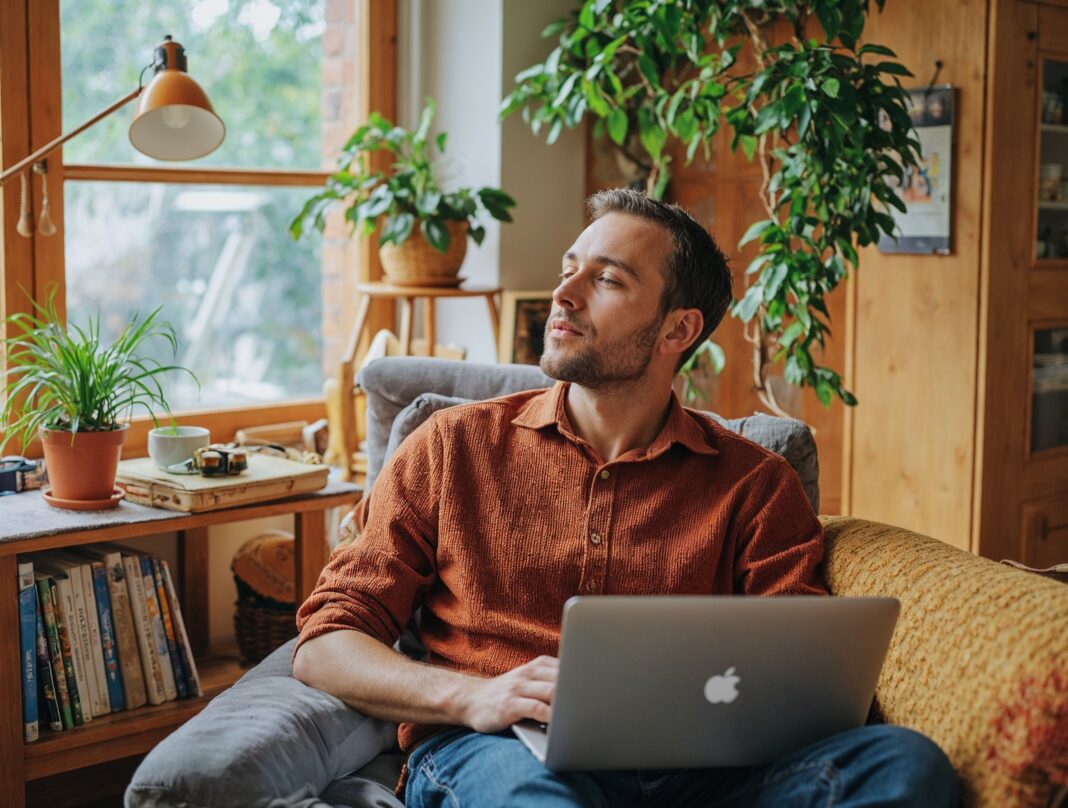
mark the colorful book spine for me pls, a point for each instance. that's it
(168, 629)
(135, 588)
(184, 648)
(67, 623)
(96, 643)
(28, 650)
(47, 597)
(67, 653)
(107, 637)
(159, 636)
(47, 691)
(122, 618)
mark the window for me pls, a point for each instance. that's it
(259, 317)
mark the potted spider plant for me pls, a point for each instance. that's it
(424, 229)
(60, 383)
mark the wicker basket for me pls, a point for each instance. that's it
(266, 613)
(416, 263)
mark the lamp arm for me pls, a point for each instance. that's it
(48, 148)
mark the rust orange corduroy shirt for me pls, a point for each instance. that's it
(491, 515)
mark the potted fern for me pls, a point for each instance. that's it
(424, 229)
(62, 385)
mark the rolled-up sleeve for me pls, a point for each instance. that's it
(374, 584)
(780, 542)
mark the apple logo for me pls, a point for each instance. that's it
(722, 689)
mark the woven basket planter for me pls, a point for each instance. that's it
(416, 263)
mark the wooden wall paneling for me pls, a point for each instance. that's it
(378, 93)
(16, 252)
(1005, 275)
(46, 124)
(916, 315)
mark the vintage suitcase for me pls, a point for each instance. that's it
(266, 478)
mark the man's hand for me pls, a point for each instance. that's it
(490, 705)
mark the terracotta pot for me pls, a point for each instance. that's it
(416, 263)
(85, 468)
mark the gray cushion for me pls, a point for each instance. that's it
(391, 383)
(268, 741)
(409, 419)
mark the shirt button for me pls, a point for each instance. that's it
(595, 538)
(591, 586)
(604, 474)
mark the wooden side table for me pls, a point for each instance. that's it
(133, 732)
(407, 295)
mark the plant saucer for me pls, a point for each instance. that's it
(83, 504)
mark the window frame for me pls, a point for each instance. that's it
(30, 116)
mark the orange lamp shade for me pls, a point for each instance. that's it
(175, 119)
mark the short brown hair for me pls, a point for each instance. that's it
(698, 275)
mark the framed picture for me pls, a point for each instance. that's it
(523, 319)
(926, 225)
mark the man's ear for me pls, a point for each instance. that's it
(685, 329)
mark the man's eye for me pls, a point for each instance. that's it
(567, 273)
(607, 281)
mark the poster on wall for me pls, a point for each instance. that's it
(925, 226)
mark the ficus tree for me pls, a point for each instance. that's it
(825, 115)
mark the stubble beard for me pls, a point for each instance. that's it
(618, 361)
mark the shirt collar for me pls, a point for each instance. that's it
(685, 427)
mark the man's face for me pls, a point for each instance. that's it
(606, 318)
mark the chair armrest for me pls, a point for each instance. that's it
(978, 661)
(267, 741)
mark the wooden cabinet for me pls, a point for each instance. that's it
(1022, 428)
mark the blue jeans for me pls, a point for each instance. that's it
(873, 765)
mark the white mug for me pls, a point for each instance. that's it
(170, 445)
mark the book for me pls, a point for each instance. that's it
(78, 631)
(266, 478)
(28, 649)
(122, 618)
(135, 589)
(184, 648)
(158, 635)
(96, 643)
(46, 692)
(116, 697)
(180, 683)
(59, 648)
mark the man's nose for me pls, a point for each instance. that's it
(568, 293)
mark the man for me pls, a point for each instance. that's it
(491, 515)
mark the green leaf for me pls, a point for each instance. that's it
(747, 306)
(617, 126)
(436, 234)
(767, 118)
(648, 69)
(880, 50)
(893, 68)
(748, 144)
(554, 28)
(565, 89)
(830, 87)
(755, 230)
(652, 136)
(586, 16)
(440, 141)
(427, 203)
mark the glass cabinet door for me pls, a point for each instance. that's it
(1051, 241)
(1049, 389)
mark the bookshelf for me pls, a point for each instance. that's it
(122, 734)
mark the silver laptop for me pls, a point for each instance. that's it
(694, 682)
